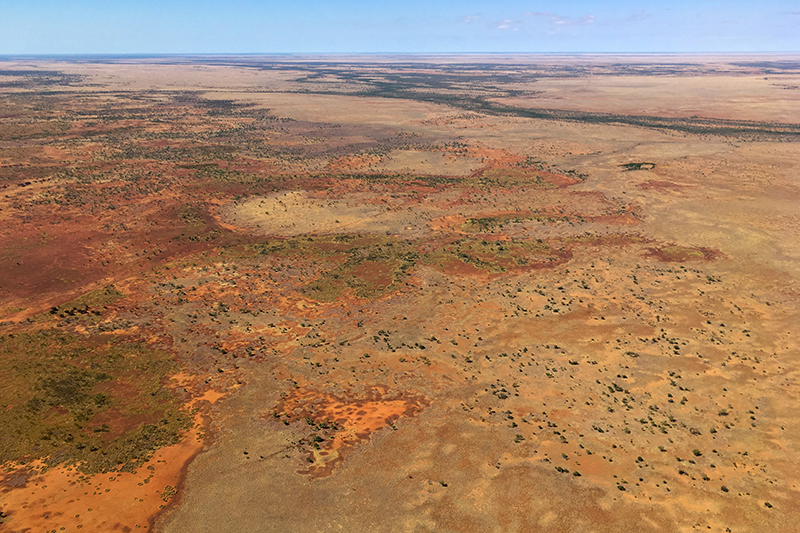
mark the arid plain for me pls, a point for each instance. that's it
(407, 293)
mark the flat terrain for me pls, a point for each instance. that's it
(449, 293)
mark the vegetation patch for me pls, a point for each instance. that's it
(489, 224)
(370, 271)
(192, 215)
(220, 174)
(368, 265)
(63, 395)
(96, 298)
(523, 176)
(637, 166)
(87, 308)
(496, 256)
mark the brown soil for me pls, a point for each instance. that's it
(661, 185)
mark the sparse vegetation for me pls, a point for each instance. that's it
(60, 392)
(466, 290)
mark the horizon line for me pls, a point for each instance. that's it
(262, 54)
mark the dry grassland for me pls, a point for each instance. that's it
(516, 293)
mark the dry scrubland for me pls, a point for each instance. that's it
(400, 294)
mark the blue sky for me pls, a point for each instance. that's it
(416, 26)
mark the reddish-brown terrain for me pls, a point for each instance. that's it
(277, 294)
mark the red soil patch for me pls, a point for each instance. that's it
(120, 423)
(457, 267)
(559, 180)
(375, 273)
(344, 420)
(561, 257)
(75, 249)
(447, 223)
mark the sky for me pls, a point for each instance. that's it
(391, 26)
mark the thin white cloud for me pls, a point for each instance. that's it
(570, 21)
(471, 18)
(560, 20)
(508, 24)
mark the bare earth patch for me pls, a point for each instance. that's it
(343, 422)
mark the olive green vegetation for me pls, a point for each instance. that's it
(212, 171)
(95, 402)
(89, 303)
(637, 166)
(375, 254)
(495, 178)
(191, 215)
(489, 224)
(86, 309)
(483, 224)
(498, 256)
(374, 265)
(371, 266)
(392, 259)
